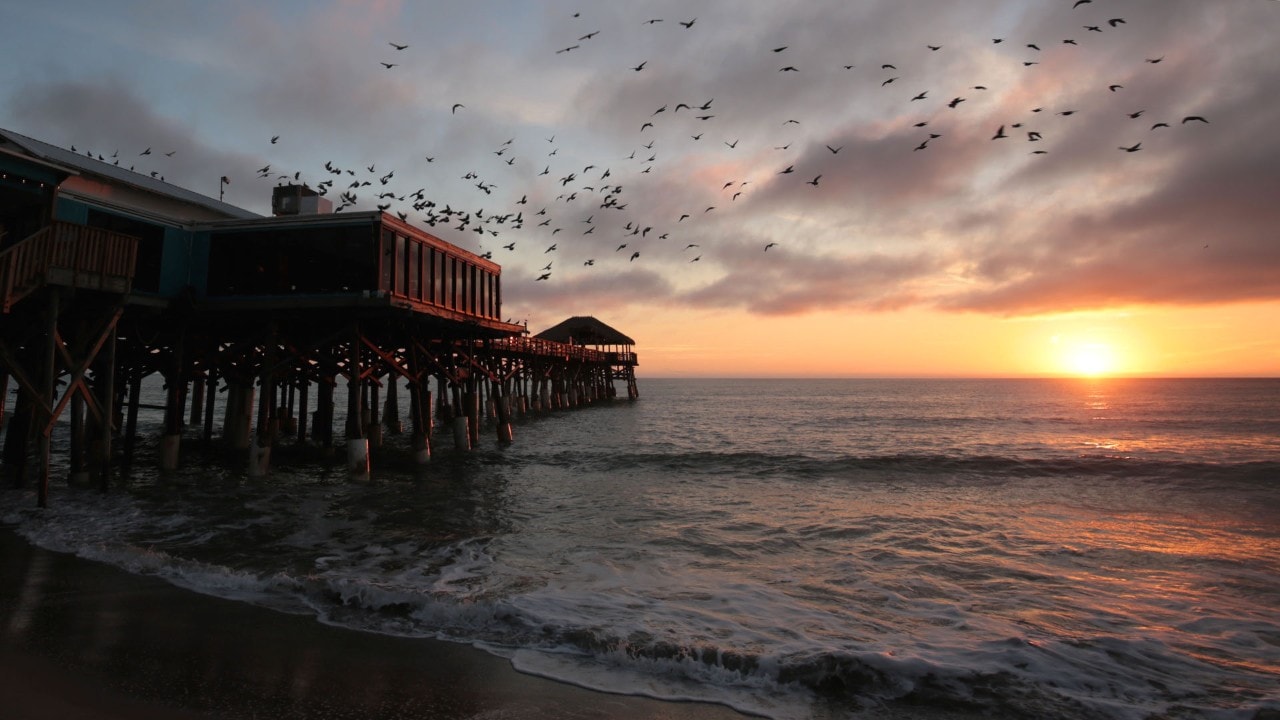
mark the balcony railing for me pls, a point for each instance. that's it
(69, 255)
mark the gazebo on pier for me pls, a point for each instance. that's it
(587, 331)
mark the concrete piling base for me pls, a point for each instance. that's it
(259, 459)
(358, 458)
(169, 447)
(421, 449)
(461, 433)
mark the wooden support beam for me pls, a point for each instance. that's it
(211, 395)
(106, 378)
(357, 444)
(50, 376)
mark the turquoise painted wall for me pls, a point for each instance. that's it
(71, 211)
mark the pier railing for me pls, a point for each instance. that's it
(565, 351)
(67, 254)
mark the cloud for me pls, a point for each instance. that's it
(965, 224)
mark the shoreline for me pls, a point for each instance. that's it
(84, 639)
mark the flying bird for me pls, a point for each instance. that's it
(397, 47)
(640, 67)
(921, 96)
(1080, 2)
(1114, 88)
(766, 247)
(790, 169)
(455, 108)
(780, 49)
(1197, 118)
(814, 181)
(835, 150)
(387, 65)
(688, 24)
(999, 134)
(1133, 148)
(1115, 21)
(634, 255)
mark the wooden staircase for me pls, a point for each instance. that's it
(68, 255)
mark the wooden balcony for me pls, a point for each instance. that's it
(68, 255)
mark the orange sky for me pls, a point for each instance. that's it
(1230, 340)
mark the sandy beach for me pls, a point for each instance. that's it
(80, 639)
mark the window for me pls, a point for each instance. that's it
(413, 267)
(388, 261)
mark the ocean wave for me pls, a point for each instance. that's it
(926, 465)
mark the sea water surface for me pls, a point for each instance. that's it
(792, 548)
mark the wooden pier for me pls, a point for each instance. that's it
(108, 277)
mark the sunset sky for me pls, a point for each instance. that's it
(972, 255)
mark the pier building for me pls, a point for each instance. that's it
(109, 277)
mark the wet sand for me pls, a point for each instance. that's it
(81, 639)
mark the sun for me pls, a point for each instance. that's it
(1091, 359)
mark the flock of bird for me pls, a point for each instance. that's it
(590, 198)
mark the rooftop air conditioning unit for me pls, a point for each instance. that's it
(298, 200)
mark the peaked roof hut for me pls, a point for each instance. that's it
(585, 330)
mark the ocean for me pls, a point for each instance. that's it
(1040, 548)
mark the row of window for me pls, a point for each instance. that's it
(421, 272)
